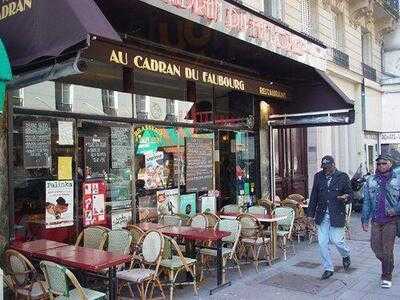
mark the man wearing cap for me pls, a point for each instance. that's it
(330, 193)
(381, 205)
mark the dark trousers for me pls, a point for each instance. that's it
(382, 243)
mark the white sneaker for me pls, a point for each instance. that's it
(386, 284)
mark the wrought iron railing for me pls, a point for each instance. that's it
(340, 58)
(391, 6)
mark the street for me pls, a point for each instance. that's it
(298, 277)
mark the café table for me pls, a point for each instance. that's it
(263, 218)
(191, 235)
(81, 258)
(145, 226)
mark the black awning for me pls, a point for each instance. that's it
(316, 102)
(33, 30)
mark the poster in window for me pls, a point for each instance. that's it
(208, 204)
(120, 219)
(187, 205)
(65, 133)
(153, 172)
(36, 144)
(96, 156)
(94, 193)
(168, 202)
(59, 204)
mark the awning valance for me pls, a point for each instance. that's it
(33, 30)
(5, 73)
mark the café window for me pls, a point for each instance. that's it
(174, 170)
(44, 177)
(163, 98)
(233, 108)
(40, 96)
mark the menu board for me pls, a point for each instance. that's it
(120, 147)
(37, 144)
(199, 164)
(96, 156)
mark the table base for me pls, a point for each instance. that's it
(221, 286)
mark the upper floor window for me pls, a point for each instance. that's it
(309, 17)
(256, 5)
(274, 8)
(366, 44)
(338, 30)
(110, 102)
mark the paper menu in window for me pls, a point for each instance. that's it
(65, 133)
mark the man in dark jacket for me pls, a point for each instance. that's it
(330, 193)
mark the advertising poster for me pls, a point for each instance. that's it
(168, 202)
(59, 204)
(120, 219)
(187, 205)
(94, 202)
(208, 204)
(153, 172)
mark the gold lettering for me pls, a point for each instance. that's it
(20, 8)
(123, 58)
(272, 93)
(12, 6)
(114, 57)
(177, 70)
(27, 4)
(146, 64)
(163, 67)
(136, 61)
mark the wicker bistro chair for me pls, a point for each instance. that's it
(231, 208)
(229, 246)
(285, 228)
(257, 209)
(170, 220)
(136, 233)
(212, 219)
(93, 237)
(253, 238)
(173, 262)
(59, 278)
(21, 277)
(151, 245)
(199, 221)
(119, 241)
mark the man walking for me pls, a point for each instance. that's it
(330, 193)
(381, 204)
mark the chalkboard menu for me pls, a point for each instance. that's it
(120, 147)
(199, 164)
(37, 144)
(96, 156)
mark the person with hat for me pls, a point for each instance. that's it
(330, 193)
(381, 206)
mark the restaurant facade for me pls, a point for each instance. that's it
(121, 111)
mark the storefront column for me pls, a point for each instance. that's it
(264, 150)
(4, 232)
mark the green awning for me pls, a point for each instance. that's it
(5, 74)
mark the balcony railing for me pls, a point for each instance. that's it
(391, 6)
(340, 58)
(368, 72)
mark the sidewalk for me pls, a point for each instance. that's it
(298, 277)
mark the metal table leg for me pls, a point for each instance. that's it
(274, 239)
(112, 283)
(219, 269)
